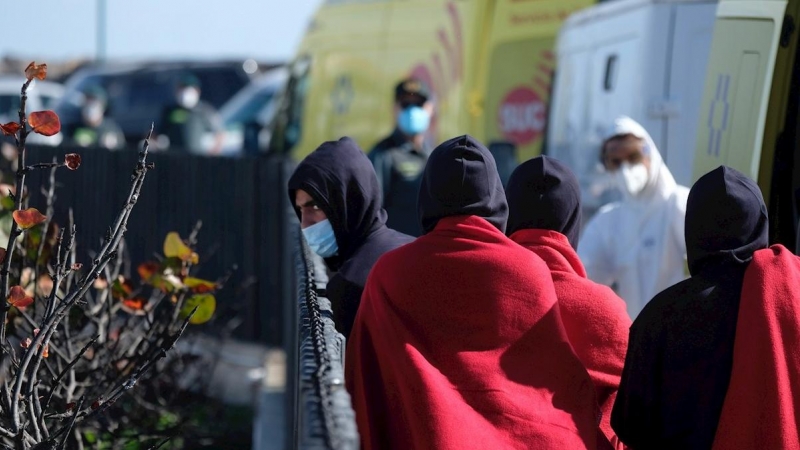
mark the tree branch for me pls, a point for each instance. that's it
(15, 231)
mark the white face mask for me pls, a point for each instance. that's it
(632, 179)
(188, 97)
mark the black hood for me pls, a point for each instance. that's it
(544, 194)
(461, 179)
(340, 178)
(726, 220)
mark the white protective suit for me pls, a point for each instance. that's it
(638, 243)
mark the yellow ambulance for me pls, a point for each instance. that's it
(488, 63)
(750, 114)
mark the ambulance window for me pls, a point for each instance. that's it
(611, 73)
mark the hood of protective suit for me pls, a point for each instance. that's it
(544, 194)
(660, 181)
(461, 179)
(726, 220)
(341, 179)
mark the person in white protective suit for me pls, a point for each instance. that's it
(637, 245)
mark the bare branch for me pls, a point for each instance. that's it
(72, 423)
(60, 376)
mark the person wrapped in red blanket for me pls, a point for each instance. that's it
(545, 217)
(458, 342)
(762, 405)
(713, 361)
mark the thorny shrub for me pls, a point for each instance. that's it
(76, 335)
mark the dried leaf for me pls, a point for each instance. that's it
(28, 218)
(36, 71)
(100, 284)
(45, 123)
(26, 343)
(199, 286)
(72, 161)
(175, 248)
(206, 305)
(19, 298)
(46, 351)
(78, 266)
(10, 129)
(122, 288)
(147, 270)
(45, 285)
(2, 255)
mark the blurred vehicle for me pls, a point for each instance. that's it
(42, 95)
(623, 58)
(488, 64)
(138, 94)
(247, 115)
(750, 107)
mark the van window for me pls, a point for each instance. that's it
(610, 78)
(286, 128)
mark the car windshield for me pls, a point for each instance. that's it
(251, 109)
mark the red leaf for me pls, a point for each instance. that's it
(19, 298)
(10, 129)
(70, 406)
(136, 303)
(26, 343)
(46, 351)
(2, 255)
(76, 266)
(96, 404)
(72, 161)
(28, 218)
(45, 123)
(147, 270)
(36, 71)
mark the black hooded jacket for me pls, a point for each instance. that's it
(680, 351)
(461, 179)
(544, 194)
(341, 180)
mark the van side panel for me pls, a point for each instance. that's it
(738, 82)
(347, 48)
(519, 71)
(694, 27)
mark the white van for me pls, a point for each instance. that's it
(642, 58)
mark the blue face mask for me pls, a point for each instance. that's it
(413, 120)
(321, 239)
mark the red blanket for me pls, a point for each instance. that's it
(762, 405)
(458, 344)
(596, 319)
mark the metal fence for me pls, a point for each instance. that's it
(242, 203)
(323, 417)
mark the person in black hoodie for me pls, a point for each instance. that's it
(680, 351)
(338, 201)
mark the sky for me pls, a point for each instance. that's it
(265, 30)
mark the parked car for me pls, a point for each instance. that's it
(41, 95)
(247, 115)
(139, 93)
